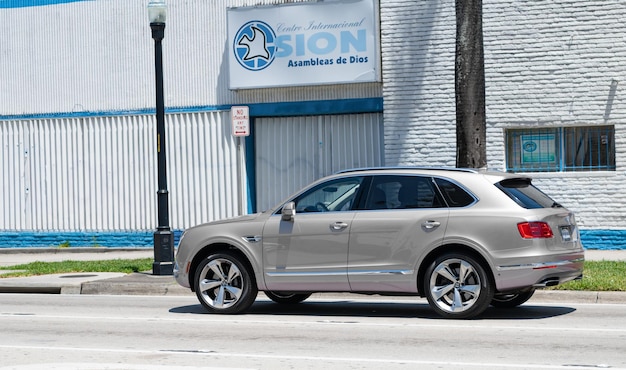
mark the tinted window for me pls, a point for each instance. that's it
(525, 194)
(454, 195)
(402, 192)
(335, 195)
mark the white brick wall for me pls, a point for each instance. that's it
(547, 63)
(417, 39)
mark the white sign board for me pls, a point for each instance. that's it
(310, 43)
(240, 118)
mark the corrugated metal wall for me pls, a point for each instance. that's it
(294, 151)
(98, 56)
(99, 173)
(208, 176)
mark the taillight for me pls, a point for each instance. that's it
(531, 230)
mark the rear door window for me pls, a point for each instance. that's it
(526, 194)
(402, 192)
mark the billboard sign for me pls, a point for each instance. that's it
(330, 42)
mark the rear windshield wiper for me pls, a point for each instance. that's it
(556, 205)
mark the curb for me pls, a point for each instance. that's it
(135, 284)
(54, 283)
(147, 284)
(580, 296)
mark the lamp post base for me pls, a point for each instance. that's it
(162, 268)
(163, 253)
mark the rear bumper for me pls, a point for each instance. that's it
(516, 276)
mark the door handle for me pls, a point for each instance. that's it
(429, 225)
(338, 225)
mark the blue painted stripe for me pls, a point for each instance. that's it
(303, 108)
(603, 239)
(6, 4)
(80, 239)
(318, 107)
(591, 239)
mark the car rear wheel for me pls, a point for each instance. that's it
(457, 286)
(224, 284)
(287, 298)
(512, 299)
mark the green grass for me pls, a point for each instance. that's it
(598, 275)
(43, 268)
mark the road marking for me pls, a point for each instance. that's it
(351, 360)
(108, 366)
(228, 320)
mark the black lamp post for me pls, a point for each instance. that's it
(163, 236)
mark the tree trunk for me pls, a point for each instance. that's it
(471, 135)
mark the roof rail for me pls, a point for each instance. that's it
(471, 170)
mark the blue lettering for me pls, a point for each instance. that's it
(300, 45)
(284, 49)
(321, 43)
(314, 47)
(359, 43)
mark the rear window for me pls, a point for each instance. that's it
(526, 194)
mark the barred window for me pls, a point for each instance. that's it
(561, 149)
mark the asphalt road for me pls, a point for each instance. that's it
(147, 332)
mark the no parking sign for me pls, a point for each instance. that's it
(240, 119)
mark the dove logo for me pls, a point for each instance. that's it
(254, 45)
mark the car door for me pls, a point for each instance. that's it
(388, 236)
(310, 251)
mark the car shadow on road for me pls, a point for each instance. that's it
(343, 308)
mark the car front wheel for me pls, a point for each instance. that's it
(457, 286)
(287, 298)
(224, 284)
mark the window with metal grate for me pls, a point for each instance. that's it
(561, 149)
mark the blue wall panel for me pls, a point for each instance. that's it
(28, 3)
(130, 239)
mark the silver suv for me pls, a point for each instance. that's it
(463, 239)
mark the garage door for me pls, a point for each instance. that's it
(291, 152)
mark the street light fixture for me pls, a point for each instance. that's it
(163, 236)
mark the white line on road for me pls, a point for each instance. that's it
(352, 360)
(229, 321)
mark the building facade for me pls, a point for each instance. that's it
(366, 87)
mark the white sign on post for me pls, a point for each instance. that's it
(240, 119)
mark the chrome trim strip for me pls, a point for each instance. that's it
(300, 274)
(381, 272)
(341, 273)
(539, 265)
(252, 239)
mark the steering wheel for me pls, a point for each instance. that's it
(321, 207)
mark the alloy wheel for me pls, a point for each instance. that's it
(224, 285)
(457, 286)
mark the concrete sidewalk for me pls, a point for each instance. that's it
(143, 283)
(147, 284)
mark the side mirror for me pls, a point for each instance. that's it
(289, 211)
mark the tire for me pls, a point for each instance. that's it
(511, 300)
(287, 298)
(457, 286)
(224, 284)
